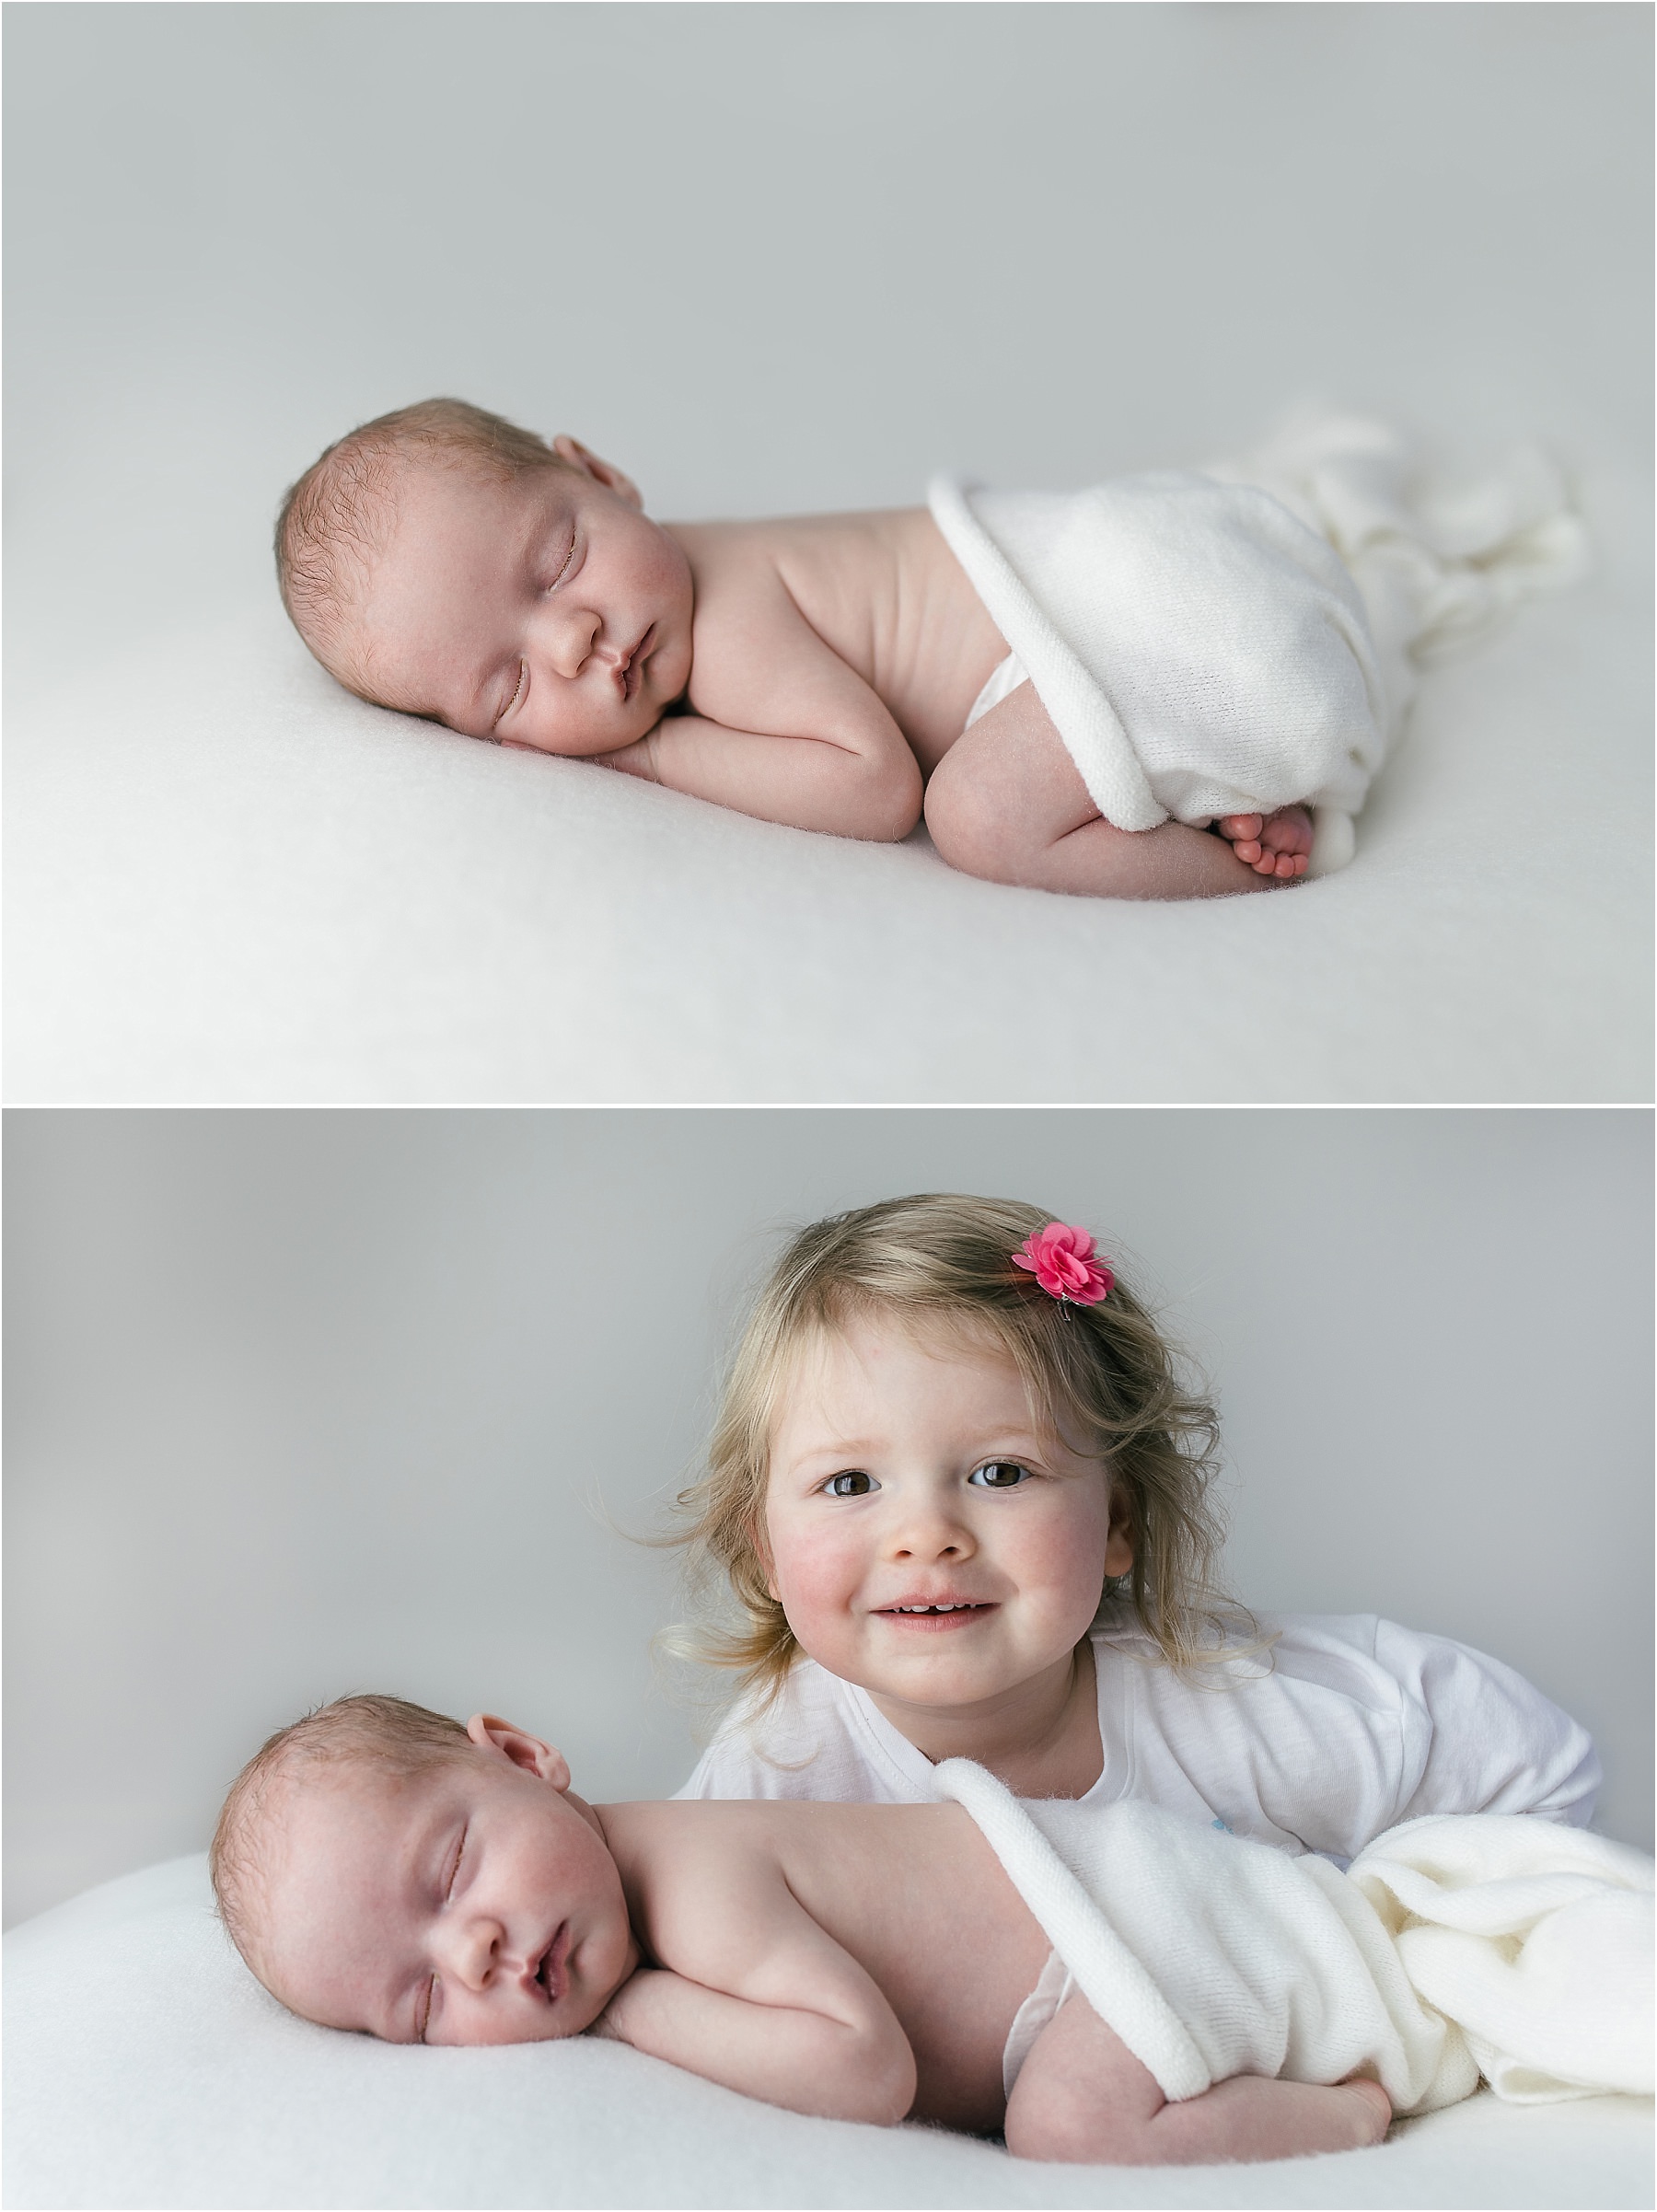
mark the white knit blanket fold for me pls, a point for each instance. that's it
(1488, 1944)
(1247, 637)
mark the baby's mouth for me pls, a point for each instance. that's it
(632, 668)
(550, 1973)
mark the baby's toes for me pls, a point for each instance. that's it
(1242, 828)
(1288, 831)
(1248, 854)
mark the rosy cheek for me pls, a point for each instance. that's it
(813, 1566)
(1064, 1551)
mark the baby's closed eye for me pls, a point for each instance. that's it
(523, 675)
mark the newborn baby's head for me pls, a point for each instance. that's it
(381, 1868)
(441, 561)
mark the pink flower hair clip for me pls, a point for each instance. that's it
(1061, 1260)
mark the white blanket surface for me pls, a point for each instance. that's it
(1502, 1944)
(227, 881)
(146, 2066)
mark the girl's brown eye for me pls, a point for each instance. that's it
(854, 1483)
(999, 1474)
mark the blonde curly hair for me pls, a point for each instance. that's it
(1101, 1375)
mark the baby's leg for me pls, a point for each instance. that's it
(1083, 2097)
(1007, 802)
(1276, 844)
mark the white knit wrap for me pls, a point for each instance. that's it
(1248, 637)
(1455, 1945)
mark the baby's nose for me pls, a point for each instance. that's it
(568, 636)
(474, 1951)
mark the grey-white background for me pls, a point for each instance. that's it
(302, 1402)
(783, 258)
(774, 258)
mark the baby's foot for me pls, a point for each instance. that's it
(1271, 844)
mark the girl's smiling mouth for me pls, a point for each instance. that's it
(935, 1614)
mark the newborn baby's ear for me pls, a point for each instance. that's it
(517, 1745)
(577, 456)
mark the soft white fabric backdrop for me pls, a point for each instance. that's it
(776, 258)
(299, 1403)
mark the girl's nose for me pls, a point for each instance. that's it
(926, 1531)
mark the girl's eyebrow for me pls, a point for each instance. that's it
(1006, 1443)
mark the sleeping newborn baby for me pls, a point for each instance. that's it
(1149, 690)
(1109, 1985)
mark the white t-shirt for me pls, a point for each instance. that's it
(1345, 1726)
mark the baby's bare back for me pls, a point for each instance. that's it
(881, 590)
(912, 1893)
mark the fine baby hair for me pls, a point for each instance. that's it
(398, 1738)
(335, 519)
(1101, 1372)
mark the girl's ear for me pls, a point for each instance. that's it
(520, 1748)
(1118, 1537)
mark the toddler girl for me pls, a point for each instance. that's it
(958, 1491)
(1075, 690)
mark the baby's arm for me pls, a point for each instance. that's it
(783, 728)
(756, 1996)
(1083, 2096)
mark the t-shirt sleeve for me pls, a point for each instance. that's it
(794, 1746)
(1479, 1738)
(727, 1768)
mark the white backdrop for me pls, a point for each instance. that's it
(299, 1403)
(773, 258)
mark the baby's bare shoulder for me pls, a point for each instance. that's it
(725, 1841)
(713, 1882)
(811, 558)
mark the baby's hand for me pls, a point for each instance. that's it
(1271, 844)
